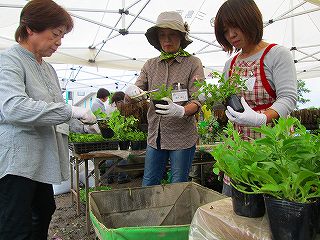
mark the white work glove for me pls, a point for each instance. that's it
(92, 128)
(170, 110)
(248, 118)
(133, 91)
(83, 114)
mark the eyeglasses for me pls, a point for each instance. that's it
(212, 22)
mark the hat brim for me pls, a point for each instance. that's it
(152, 36)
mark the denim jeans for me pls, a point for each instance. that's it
(26, 207)
(157, 159)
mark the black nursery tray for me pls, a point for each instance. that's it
(85, 147)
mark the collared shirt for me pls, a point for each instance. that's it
(176, 133)
(31, 105)
(98, 104)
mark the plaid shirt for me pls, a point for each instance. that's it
(175, 133)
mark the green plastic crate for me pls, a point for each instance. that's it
(156, 212)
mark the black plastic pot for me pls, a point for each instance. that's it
(247, 205)
(107, 132)
(124, 145)
(291, 220)
(318, 212)
(135, 145)
(143, 127)
(143, 144)
(163, 102)
(139, 145)
(235, 102)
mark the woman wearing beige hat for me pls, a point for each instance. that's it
(172, 132)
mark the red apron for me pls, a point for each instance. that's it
(260, 98)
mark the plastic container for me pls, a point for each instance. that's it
(235, 102)
(156, 212)
(105, 130)
(124, 145)
(85, 147)
(291, 220)
(139, 145)
(248, 205)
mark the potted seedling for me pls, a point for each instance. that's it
(235, 157)
(163, 91)
(289, 178)
(284, 165)
(102, 120)
(138, 140)
(225, 92)
(121, 126)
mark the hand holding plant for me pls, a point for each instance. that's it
(219, 93)
(161, 93)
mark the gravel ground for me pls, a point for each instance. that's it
(66, 225)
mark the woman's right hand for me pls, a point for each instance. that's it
(85, 115)
(133, 91)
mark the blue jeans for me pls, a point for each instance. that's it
(157, 159)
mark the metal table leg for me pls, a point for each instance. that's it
(87, 195)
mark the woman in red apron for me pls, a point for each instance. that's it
(268, 69)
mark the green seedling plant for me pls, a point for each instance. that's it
(219, 93)
(284, 163)
(87, 137)
(209, 130)
(236, 157)
(137, 136)
(161, 93)
(122, 125)
(294, 162)
(100, 114)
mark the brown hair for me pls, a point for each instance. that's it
(39, 15)
(103, 93)
(117, 97)
(242, 14)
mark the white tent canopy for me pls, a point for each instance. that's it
(109, 34)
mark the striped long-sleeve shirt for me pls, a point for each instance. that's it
(31, 105)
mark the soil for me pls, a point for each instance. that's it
(66, 225)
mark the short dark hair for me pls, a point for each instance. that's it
(39, 15)
(243, 14)
(103, 93)
(117, 97)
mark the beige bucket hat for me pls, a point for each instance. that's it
(172, 20)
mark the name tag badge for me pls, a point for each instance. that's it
(180, 95)
(63, 128)
(250, 83)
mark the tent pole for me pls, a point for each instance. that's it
(293, 38)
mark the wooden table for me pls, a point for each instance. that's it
(116, 155)
(77, 159)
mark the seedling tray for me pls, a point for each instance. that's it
(85, 147)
